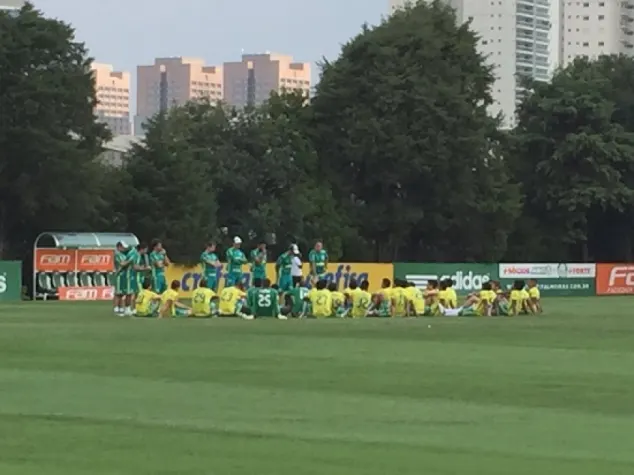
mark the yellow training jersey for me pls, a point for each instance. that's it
(361, 301)
(144, 301)
(534, 293)
(525, 295)
(515, 302)
(229, 298)
(415, 295)
(170, 295)
(321, 301)
(338, 299)
(487, 297)
(201, 302)
(443, 297)
(452, 297)
(399, 302)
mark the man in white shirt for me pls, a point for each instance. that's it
(296, 266)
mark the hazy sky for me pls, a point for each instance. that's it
(127, 33)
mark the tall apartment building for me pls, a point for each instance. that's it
(113, 96)
(251, 80)
(517, 38)
(171, 82)
(596, 27)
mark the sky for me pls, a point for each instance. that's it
(127, 33)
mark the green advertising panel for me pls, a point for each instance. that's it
(10, 281)
(467, 277)
(553, 279)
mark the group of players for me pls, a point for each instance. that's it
(141, 290)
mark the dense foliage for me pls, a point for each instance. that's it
(394, 158)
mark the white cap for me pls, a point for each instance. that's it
(237, 240)
(295, 249)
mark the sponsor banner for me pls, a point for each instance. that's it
(74, 260)
(547, 271)
(95, 260)
(339, 273)
(77, 294)
(615, 279)
(553, 279)
(467, 277)
(10, 281)
(55, 260)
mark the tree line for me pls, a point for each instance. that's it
(393, 158)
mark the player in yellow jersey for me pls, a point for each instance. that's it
(347, 292)
(361, 301)
(526, 301)
(231, 302)
(398, 296)
(443, 296)
(338, 300)
(320, 300)
(203, 300)
(147, 301)
(452, 296)
(501, 303)
(431, 299)
(170, 306)
(516, 299)
(382, 300)
(416, 300)
(534, 295)
(480, 304)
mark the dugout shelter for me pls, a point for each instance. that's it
(74, 260)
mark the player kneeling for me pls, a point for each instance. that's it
(204, 300)
(147, 301)
(265, 301)
(170, 306)
(232, 302)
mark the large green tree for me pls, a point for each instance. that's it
(170, 194)
(401, 127)
(574, 156)
(49, 178)
(209, 171)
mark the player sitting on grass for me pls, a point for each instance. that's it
(534, 295)
(147, 301)
(338, 301)
(416, 298)
(382, 299)
(265, 302)
(318, 302)
(501, 303)
(204, 300)
(251, 291)
(232, 302)
(170, 306)
(361, 301)
(481, 303)
(516, 303)
(432, 299)
(398, 296)
(347, 292)
(294, 300)
(452, 296)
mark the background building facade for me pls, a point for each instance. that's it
(172, 82)
(113, 95)
(517, 37)
(251, 80)
(593, 28)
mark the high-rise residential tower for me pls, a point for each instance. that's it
(171, 82)
(595, 27)
(113, 96)
(517, 38)
(251, 80)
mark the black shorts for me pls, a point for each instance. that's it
(297, 281)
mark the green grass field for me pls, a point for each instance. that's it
(84, 392)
